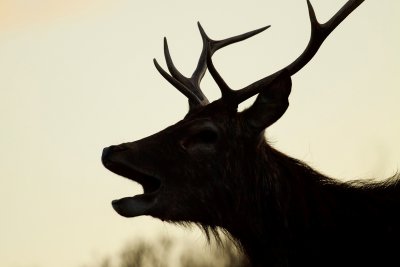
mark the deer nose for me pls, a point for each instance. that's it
(109, 150)
(106, 152)
(105, 155)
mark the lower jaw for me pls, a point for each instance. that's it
(134, 206)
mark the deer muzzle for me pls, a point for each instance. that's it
(118, 160)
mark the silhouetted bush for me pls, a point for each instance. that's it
(168, 252)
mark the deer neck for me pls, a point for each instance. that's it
(283, 195)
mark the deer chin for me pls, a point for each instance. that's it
(140, 204)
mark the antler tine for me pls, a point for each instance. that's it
(319, 32)
(189, 83)
(209, 48)
(177, 84)
(171, 67)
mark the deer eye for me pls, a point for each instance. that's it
(206, 136)
(201, 138)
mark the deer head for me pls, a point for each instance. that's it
(209, 166)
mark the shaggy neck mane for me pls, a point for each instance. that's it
(296, 215)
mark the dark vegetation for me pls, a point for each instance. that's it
(168, 252)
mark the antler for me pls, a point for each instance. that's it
(319, 32)
(190, 87)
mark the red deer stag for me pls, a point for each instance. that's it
(214, 168)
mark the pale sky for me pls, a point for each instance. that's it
(76, 76)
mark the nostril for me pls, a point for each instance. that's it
(111, 154)
(106, 152)
(105, 155)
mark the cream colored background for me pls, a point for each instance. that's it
(76, 76)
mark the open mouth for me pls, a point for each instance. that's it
(139, 204)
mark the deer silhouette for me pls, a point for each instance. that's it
(215, 168)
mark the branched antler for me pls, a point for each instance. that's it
(319, 32)
(190, 87)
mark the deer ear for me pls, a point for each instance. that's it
(271, 103)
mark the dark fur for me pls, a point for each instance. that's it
(294, 216)
(215, 169)
(278, 209)
(284, 213)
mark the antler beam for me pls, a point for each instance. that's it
(319, 32)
